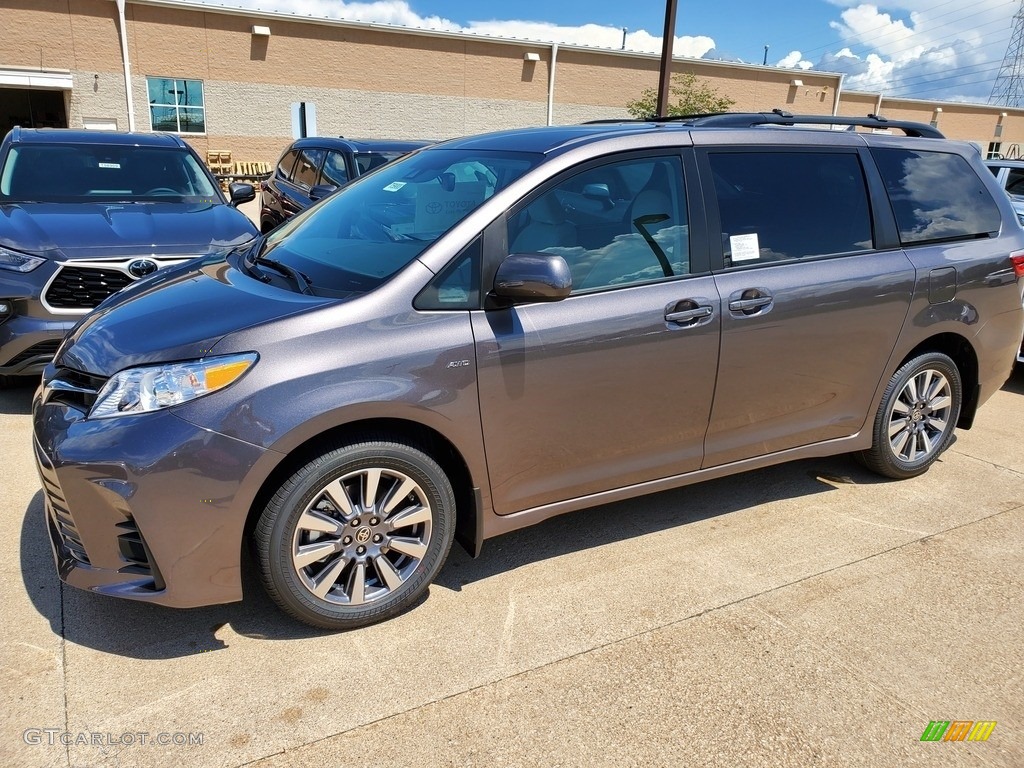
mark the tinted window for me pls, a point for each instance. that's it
(615, 225)
(936, 196)
(334, 170)
(790, 205)
(88, 172)
(306, 167)
(285, 165)
(1015, 181)
(368, 161)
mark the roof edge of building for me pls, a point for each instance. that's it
(231, 10)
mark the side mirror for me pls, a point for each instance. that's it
(532, 277)
(321, 191)
(240, 193)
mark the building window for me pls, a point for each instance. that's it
(176, 105)
(993, 151)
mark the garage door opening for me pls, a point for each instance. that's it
(32, 108)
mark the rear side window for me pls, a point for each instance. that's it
(286, 163)
(1015, 181)
(936, 196)
(334, 170)
(776, 205)
(306, 167)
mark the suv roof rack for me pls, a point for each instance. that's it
(780, 117)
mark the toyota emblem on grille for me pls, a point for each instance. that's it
(142, 267)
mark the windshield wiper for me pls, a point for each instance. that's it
(301, 281)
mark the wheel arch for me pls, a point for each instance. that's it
(468, 503)
(960, 351)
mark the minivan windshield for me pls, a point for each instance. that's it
(80, 173)
(359, 237)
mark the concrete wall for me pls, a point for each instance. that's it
(373, 82)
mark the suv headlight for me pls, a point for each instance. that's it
(17, 261)
(152, 387)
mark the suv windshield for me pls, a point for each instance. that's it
(75, 173)
(356, 239)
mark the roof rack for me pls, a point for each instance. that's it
(780, 117)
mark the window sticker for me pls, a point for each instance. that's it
(109, 165)
(744, 248)
(394, 186)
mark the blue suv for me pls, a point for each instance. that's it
(85, 213)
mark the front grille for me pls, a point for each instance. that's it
(47, 348)
(84, 287)
(57, 507)
(74, 388)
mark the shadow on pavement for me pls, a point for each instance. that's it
(140, 630)
(1015, 383)
(16, 398)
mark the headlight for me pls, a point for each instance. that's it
(138, 390)
(18, 262)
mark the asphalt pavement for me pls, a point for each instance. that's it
(809, 614)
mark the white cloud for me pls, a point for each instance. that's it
(399, 13)
(922, 50)
(794, 60)
(914, 48)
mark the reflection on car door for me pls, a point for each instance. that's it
(613, 385)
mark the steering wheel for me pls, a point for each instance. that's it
(162, 191)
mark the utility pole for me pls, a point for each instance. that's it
(666, 57)
(1008, 89)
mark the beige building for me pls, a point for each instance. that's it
(228, 79)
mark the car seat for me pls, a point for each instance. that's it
(546, 227)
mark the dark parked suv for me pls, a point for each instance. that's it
(85, 213)
(503, 328)
(317, 166)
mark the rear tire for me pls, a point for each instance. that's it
(356, 535)
(916, 418)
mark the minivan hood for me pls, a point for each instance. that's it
(80, 230)
(178, 313)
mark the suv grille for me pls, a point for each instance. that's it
(84, 287)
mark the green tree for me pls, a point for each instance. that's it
(691, 97)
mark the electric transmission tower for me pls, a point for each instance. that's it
(1008, 89)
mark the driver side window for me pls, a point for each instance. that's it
(617, 224)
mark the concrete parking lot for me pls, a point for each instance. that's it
(805, 615)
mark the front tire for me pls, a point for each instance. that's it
(916, 418)
(356, 535)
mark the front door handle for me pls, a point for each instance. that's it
(688, 311)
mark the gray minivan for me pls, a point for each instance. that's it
(501, 328)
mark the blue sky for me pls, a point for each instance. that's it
(927, 49)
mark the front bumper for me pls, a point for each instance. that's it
(28, 343)
(142, 507)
